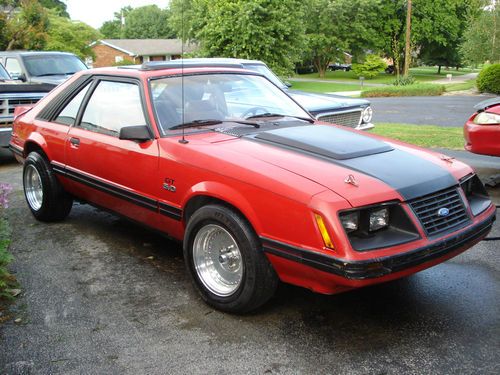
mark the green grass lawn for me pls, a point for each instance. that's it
(423, 135)
(322, 87)
(461, 86)
(421, 74)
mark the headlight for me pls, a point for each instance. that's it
(350, 221)
(379, 219)
(486, 118)
(367, 114)
(378, 226)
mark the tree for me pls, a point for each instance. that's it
(28, 28)
(187, 17)
(437, 28)
(482, 35)
(57, 5)
(147, 22)
(440, 30)
(268, 30)
(69, 36)
(114, 29)
(325, 32)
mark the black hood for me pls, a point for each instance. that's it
(407, 173)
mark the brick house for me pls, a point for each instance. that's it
(113, 51)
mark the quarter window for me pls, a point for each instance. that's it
(113, 105)
(13, 67)
(68, 115)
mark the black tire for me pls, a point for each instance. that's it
(54, 203)
(258, 281)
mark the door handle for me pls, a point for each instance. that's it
(75, 142)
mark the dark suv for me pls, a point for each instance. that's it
(335, 109)
(41, 67)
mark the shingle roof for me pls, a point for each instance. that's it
(148, 47)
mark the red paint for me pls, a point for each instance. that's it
(483, 139)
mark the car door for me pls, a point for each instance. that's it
(121, 175)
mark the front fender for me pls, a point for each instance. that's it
(227, 194)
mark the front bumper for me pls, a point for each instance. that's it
(482, 139)
(383, 266)
(5, 134)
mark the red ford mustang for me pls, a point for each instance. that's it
(482, 130)
(257, 190)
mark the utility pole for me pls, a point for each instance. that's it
(408, 37)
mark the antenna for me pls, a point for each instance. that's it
(183, 139)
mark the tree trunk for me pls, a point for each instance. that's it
(408, 35)
(439, 69)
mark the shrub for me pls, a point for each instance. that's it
(488, 79)
(419, 89)
(5, 259)
(404, 81)
(372, 66)
(6, 279)
(124, 62)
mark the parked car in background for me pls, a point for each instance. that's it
(338, 66)
(335, 109)
(41, 67)
(482, 130)
(257, 190)
(11, 96)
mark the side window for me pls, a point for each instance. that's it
(68, 115)
(112, 106)
(13, 67)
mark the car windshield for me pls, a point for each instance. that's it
(47, 65)
(3, 73)
(264, 70)
(209, 98)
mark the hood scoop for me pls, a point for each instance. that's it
(326, 141)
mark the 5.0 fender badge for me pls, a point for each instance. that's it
(168, 184)
(351, 180)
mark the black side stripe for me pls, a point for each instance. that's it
(137, 199)
(16, 151)
(170, 211)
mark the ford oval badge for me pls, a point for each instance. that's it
(443, 212)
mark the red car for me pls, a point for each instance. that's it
(482, 130)
(258, 192)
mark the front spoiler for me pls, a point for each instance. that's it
(378, 267)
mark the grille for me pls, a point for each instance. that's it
(350, 119)
(426, 208)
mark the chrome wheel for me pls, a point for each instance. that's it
(33, 187)
(217, 260)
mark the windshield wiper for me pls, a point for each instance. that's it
(196, 123)
(50, 74)
(268, 114)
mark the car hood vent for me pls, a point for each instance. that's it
(326, 141)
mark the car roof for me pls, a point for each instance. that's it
(32, 53)
(138, 71)
(198, 62)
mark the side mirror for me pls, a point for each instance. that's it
(16, 76)
(138, 133)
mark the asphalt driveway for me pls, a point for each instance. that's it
(104, 296)
(426, 110)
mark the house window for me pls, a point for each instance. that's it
(118, 59)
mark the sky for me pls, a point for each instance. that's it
(96, 12)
